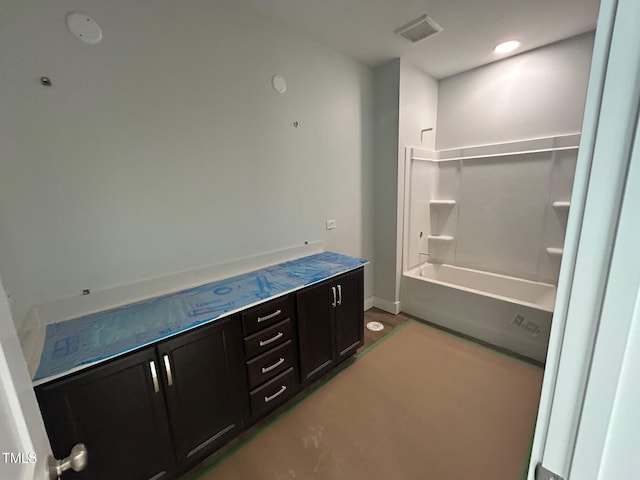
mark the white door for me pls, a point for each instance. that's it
(608, 440)
(24, 446)
(587, 276)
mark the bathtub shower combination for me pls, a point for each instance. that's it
(483, 235)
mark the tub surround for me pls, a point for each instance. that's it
(483, 234)
(498, 208)
(77, 343)
(508, 312)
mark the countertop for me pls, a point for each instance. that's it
(78, 343)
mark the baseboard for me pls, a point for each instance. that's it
(386, 305)
(368, 303)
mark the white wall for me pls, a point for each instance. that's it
(418, 107)
(164, 147)
(22, 426)
(386, 112)
(540, 93)
(418, 111)
(406, 102)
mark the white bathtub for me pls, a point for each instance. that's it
(508, 312)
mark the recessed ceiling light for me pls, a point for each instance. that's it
(506, 47)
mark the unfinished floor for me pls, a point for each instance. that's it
(421, 404)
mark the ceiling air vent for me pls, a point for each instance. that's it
(419, 29)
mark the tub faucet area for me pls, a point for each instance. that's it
(422, 261)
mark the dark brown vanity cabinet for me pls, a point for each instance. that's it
(330, 323)
(203, 384)
(271, 354)
(155, 412)
(114, 410)
(145, 414)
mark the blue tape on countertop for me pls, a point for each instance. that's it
(102, 335)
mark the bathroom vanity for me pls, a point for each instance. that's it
(154, 410)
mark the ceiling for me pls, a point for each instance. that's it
(364, 29)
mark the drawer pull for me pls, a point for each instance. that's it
(275, 395)
(154, 376)
(272, 339)
(167, 368)
(333, 289)
(339, 294)
(270, 316)
(275, 365)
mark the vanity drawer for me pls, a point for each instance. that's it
(273, 393)
(268, 338)
(267, 314)
(270, 364)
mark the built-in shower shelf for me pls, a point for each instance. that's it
(554, 252)
(441, 238)
(442, 203)
(561, 205)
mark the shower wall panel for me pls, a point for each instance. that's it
(502, 210)
(498, 208)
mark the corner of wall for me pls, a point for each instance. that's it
(386, 128)
(368, 303)
(393, 307)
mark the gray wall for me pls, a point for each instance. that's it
(535, 94)
(405, 102)
(164, 147)
(386, 108)
(418, 110)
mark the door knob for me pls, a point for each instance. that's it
(76, 461)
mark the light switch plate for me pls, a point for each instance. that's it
(331, 224)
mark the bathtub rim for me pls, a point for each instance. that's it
(412, 273)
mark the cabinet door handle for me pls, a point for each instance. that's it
(272, 339)
(275, 365)
(333, 289)
(275, 395)
(154, 376)
(167, 368)
(270, 316)
(339, 294)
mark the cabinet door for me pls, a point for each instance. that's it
(203, 382)
(349, 314)
(315, 330)
(116, 410)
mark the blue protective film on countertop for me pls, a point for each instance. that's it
(98, 336)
